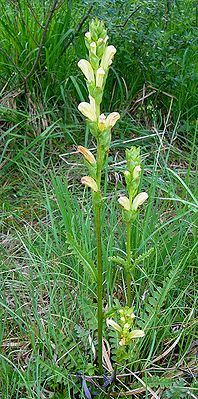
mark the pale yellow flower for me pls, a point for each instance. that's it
(125, 203)
(112, 323)
(112, 119)
(87, 69)
(137, 334)
(107, 57)
(93, 48)
(109, 121)
(138, 200)
(88, 36)
(87, 154)
(99, 77)
(122, 342)
(89, 182)
(136, 172)
(88, 109)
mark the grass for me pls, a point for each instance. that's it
(48, 304)
(48, 297)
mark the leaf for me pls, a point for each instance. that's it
(82, 257)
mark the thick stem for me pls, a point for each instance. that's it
(128, 276)
(99, 286)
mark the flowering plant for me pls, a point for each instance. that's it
(95, 71)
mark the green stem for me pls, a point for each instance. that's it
(99, 257)
(128, 276)
(99, 285)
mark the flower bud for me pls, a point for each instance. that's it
(136, 334)
(88, 36)
(87, 154)
(99, 77)
(89, 182)
(87, 69)
(125, 203)
(112, 323)
(136, 172)
(93, 48)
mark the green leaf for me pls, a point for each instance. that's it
(82, 257)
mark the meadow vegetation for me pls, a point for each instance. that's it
(48, 303)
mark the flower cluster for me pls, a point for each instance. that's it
(95, 70)
(124, 326)
(132, 175)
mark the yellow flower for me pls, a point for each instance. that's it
(108, 122)
(99, 77)
(112, 323)
(137, 334)
(107, 57)
(138, 200)
(87, 154)
(89, 182)
(112, 119)
(88, 36)
(136, 172)
(125, 203)
(88, 109)
(87, 69)
(93, 48)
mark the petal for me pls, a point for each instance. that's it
(112, 119)
(87, 69)
(138, 200)
(125, 203)
(87, 154)
(89, 182)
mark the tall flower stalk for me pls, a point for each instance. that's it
(130, 205)
(95, 70)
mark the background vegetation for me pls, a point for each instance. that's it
(47, 301)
